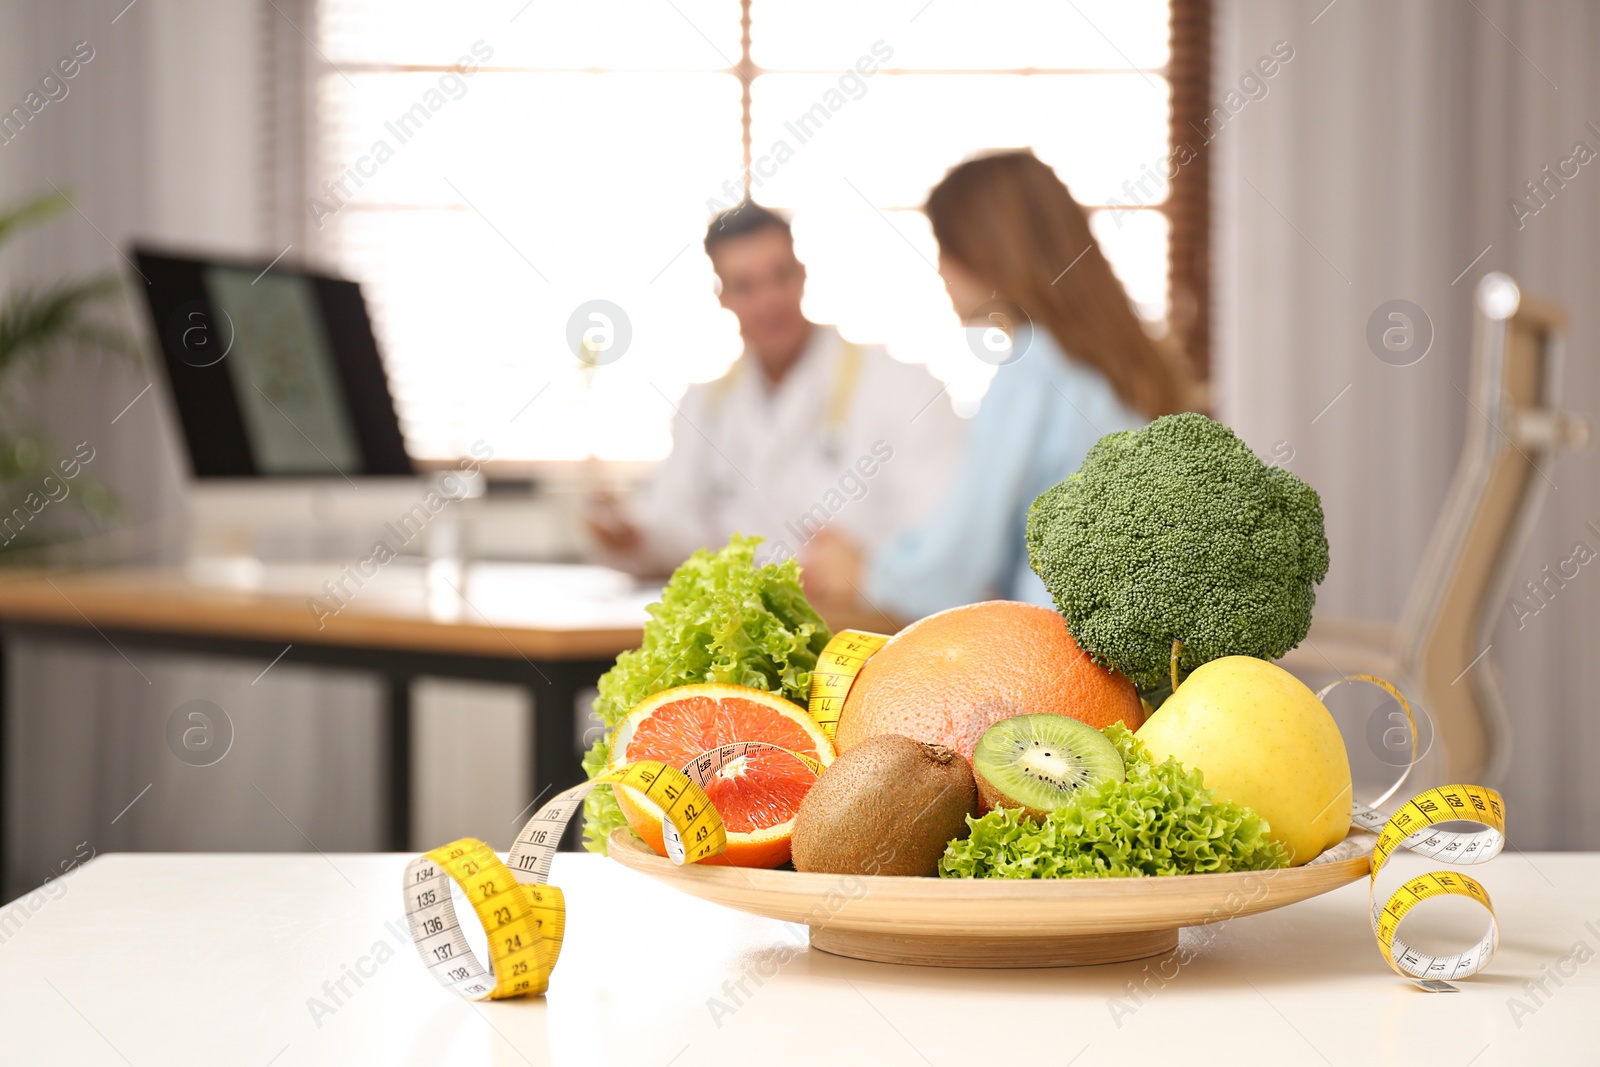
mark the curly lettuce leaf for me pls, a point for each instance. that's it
(1162, 820)
(721, 619)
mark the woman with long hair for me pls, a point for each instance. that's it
(1016, 255)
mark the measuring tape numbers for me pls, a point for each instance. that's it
(522, 947)
(523, 915)
(838, 664)
(1415, 827)
(710, 765)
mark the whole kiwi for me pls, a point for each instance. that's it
(888, 805)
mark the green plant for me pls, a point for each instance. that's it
(40, 325)
(1173, 545)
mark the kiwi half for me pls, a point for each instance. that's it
(1036, 762)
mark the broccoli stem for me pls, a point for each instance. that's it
(1177, 650)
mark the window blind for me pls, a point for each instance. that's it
(487, 168)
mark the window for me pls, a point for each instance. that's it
(582, 152)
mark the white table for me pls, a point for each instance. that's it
(204, 959)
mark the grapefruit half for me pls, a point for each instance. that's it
(756, 795)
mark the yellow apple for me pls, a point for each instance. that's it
(1261, 739)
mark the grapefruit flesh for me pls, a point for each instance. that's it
(757, 795)
(947, 678)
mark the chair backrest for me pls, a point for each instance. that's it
(1505, 470)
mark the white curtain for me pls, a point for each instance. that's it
(1379, 165)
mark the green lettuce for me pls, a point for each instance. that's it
(722, 619)
(1161, 820)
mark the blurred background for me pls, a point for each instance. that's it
(488, 170)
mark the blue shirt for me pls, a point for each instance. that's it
(1037, 421)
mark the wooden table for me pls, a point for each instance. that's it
(150, 959)
(550, 628)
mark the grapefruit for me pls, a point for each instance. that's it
(756, 795)
(947, 678)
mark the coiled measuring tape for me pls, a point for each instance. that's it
(1415, 826)
(523, 915)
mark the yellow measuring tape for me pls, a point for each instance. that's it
(1415, 826)
(837, 666)
(523, 916)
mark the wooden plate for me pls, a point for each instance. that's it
(939, 922)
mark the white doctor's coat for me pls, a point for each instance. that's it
(754, 460)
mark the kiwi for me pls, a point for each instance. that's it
(1036, 762)
(889, 805)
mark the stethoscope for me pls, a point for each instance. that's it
(832, 436)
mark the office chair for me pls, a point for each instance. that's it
(1438, 653)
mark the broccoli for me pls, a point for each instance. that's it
(1178, 533)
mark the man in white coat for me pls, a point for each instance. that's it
(805, 431)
